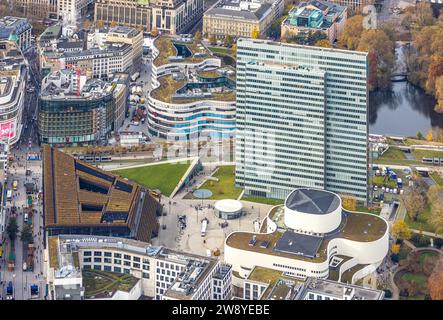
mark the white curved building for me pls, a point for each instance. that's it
(228, 209)
(193, 95)
(312, 236)
(13, 74)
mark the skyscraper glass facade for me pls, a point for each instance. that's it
(301, 119)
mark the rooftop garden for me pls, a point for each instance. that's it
(101, 284)
(160, 176)
(53, 251)
(168, 87)
(166, 47)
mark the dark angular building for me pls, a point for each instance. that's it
(81, 199)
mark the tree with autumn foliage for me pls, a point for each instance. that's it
(255, 33)
(429, 135)
(212, 40)
(436, 218)
(154, 32)
(234, 50)
(414, 199)
(401, 230)
(100, 24)
(113, 24)
(395, 248)
(372, 78)
(352, 32)
(378, 42)
(87, 24)
(435, 282)
(325, 43)
(349, 202)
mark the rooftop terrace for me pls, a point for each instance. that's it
(101, 284)
(166, 48)
(355, 226)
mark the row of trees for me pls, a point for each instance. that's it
(25, 234)
(425, 58)
(380, 45)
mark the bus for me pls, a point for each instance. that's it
(14, 185)
(204, 226)
(9, 195)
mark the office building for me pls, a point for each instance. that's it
(302, 119)
(156, 272)
(16, 29)
(241, 18)
(81, 199)
(74, 110)
(312, 16)
(37, 8)
(13, 76)
(71, 11)
(170, 16)
(193, 95)
(311, 235)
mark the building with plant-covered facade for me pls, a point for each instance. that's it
(74, 110)
(194, 94)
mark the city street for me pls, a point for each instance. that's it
(28, 143)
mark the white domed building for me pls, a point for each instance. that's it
(228, 209)
(311, 235)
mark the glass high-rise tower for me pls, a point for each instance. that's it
(301, 119)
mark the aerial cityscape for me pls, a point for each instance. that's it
(241, 150)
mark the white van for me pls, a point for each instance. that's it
(26, 218)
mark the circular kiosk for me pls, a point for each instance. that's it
(228, 209)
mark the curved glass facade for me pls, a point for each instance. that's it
(75, 120)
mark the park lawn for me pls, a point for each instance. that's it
(392, 154)
(418, 278)
(419, 154)
(426, 255)
(379, 181)
(161, 176)
(225, 187)
(437, 178)
(422, 220)
(272, 202)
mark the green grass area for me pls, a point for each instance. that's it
(437, 178)
(418, 278)
(272, 202)
(422, 221)
(425, 255)
(392, 154)
(225, 187)
(379, 181)
(221, 50)
(419, 154)
(410, 142)
(161, 176)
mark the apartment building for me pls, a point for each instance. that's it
(302, 119)
(164, 274)
(239, 18)
(170, 16)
